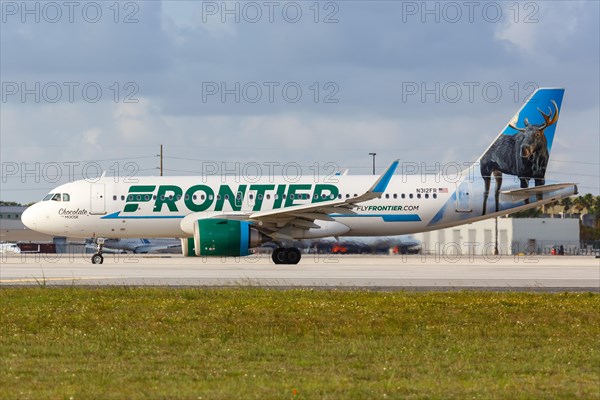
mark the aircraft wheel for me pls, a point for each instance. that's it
(292, 255)
(97, 259)
(278, 255)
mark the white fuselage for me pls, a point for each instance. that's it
(156, 206)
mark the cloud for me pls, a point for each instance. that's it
(90, 137)
(370, 54)
(531, 27)
(135, 122)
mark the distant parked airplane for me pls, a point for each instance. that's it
(138, 246)
(9, 248)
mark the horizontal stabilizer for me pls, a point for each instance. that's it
(519, 194)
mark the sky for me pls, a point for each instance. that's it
(99, 86)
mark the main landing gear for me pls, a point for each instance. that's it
(98, 258)
(286, 255)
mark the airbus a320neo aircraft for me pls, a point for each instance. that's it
(226, 216)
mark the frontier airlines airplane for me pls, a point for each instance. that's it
(229, 215)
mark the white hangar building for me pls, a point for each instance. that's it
(515, 235)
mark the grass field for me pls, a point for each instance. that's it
(118, 343)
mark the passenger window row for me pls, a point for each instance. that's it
(260, 196)
(410, 195)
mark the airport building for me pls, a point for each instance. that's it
(515, 236)
(10, 216)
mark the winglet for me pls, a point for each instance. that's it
(378, 187)
(384, 179)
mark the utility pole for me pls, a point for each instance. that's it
(373, 154)
(161, 160)
(496, 252)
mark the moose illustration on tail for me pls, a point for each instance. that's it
(521, 152)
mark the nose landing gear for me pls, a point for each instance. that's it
(98, 258)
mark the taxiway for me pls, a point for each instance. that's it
(315, 271)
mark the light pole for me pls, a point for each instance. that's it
(373, 154)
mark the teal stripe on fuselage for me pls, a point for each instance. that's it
(385, 217)
(117, 216)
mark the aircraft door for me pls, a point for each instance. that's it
(97, 199)
(463, 197)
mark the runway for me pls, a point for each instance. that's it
(545, 273)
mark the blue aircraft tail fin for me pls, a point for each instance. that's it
(523, 147)
(534, 124)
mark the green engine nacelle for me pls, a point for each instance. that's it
(221, 237)
(187, 247)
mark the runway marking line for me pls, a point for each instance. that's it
(52, 279)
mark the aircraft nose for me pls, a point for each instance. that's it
(28, 218)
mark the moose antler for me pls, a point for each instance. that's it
(550, 121)
(513, 124)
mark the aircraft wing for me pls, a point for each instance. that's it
(302, 216)
(322, 209)
(520, 194)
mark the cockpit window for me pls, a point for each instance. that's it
(56, 197)
(48, 197)
(66, 197)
